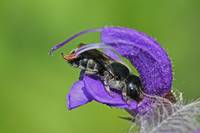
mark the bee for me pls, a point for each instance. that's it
(114, 74)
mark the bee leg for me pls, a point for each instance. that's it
(115, 84)
(125, 97)
(83, 64)
(96, 67)
(107, 89)
(124, 94)
(90, 72)
(91, 67)
(105, 79)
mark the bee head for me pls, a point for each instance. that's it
(70, 57)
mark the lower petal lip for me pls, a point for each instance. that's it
(83, 92)
(77, 96)
(96, 89)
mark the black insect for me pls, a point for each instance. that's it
(114, 74)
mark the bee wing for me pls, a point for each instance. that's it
(103, 58)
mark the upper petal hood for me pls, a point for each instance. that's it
(151, 61)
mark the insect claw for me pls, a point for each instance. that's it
(126, 98)
(81, 67)
(107, 88)
(90, 72)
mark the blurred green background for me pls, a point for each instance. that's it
(33, 85)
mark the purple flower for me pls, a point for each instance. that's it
(144, 52)
(198, 131)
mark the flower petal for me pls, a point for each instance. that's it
(198, 131)
(78, 95)
(144, 106)
(96, 89)
(151, 61)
